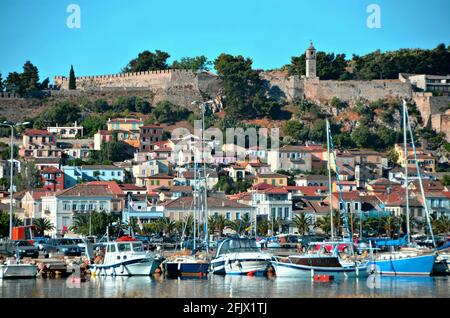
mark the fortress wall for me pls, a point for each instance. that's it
(282, 86)
(429, 105)
(324, 91)
(441, 123)
(150, 79)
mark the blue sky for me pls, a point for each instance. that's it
(269, 31)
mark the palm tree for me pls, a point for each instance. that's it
(324, 223)
(263, 227)
(443, 225)
(220, 222)
(81, 224)
(211, 224)
(167, 225)
(42, 225)
(303, 223)
(390, 225)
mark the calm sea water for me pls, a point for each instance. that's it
(228, 286)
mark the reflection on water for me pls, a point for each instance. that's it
(228, 286)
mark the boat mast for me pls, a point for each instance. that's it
(406, 172)
(330, 187)
(193, 200)
(420, 182)
(205, 203)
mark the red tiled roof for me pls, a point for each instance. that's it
(50, 169)
(446, 193)
(29, 132)
(308, 190)
(130, 186)
(112, 185)
(261, 186)
(352, 195)
(160, 176)
(37, 194)
(275, 190)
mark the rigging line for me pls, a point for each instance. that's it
(420, 180)
(341, 199)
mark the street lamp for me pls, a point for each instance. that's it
(11, 171)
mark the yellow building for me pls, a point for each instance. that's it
(275, 179)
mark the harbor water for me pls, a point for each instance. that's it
(225, 287)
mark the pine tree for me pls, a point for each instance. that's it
(1, 83)
(72, 81)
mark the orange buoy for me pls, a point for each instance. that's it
(251, 273)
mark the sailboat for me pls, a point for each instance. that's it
(412, 263)
(325, 258)
(194, 265)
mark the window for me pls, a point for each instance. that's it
(66, 205)
(280, 181)
(238, 215)
(112, 173)
(157, 182)
(273, 181)
(286, 213)
(228, 215)
(170, 183)
(356, 206)
(152, 182)
(118, 173)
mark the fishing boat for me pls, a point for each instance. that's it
(240, 256)
(124, 257)
(186, 266)
(411, 263)
(322, 258)
(12, 269)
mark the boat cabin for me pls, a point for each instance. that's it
(237, 245)
(118, 251)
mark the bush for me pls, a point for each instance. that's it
(166, 112)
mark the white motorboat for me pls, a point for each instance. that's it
(12, 269)
(124, 257)
(240, 256)
(324, 258)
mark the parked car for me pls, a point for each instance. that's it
(39, 242)
(63, 245)
(18, 248)
(80, 242)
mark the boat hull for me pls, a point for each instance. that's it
(136, 267)
(242, 267)
(421, 265)
(283, 269)
(176, 269)
(18, 271)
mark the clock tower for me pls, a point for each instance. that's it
(311, 62)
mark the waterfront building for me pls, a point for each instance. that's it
(76, 174)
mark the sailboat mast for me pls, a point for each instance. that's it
(406, 172)
(330, 187)
(205, 203)
(193, 200)
(420, 182)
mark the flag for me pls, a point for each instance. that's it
(131, 203)
(141, 226)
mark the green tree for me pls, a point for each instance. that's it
(362, 137)
(63, 113)
(245, 93)
(148, 61)
(13, 83)
(132, 104)
(446, 180)
(72, 79)
(4, 223)
(196, 64)
(97, 220)
(220, 223)
(166, 112)
(392, 156)
(303, 223)
(329, 66)
(42, 225)
(30, 77)
(296, 130)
